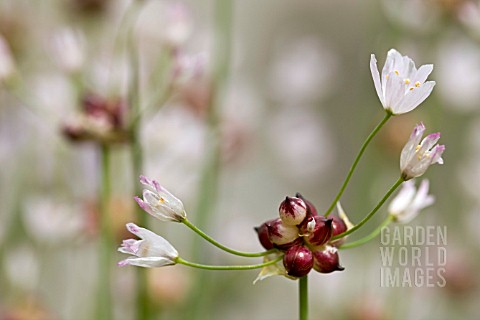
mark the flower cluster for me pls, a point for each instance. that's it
(101, 120)
(304, 237)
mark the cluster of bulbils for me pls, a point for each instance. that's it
(304, 236)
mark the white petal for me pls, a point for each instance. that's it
(415, 97)
(376, 78)
(403, 198)
(394, 92)
(149, 262)
(422, 73)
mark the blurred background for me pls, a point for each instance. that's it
(239, 103)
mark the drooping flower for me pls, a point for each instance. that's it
(151, 251)
(402, 87)
(417, 156)
(409, 201)
(160, 203)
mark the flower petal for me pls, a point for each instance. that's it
(376, 78)
(415, 97)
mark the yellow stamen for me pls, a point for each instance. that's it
(386, 76)
(396, 72)
(411, 89)
(417, 84)
(407, 81)
(161, 200)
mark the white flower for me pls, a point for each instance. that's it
(409, 201)
(68, 48)
(7, 66)
(160, 203)
(151, 251)
(417, 156)
(402, 87)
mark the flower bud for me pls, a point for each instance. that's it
(322, 231)
(292, 211)
(326, 260)
(263, 235)
(282, 235)
(298, 261)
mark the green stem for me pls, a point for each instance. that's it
(361, 223)
(357, 159)
(209, 267)
(303, 298)
(221, 246)
(371, 236)
(104, 307)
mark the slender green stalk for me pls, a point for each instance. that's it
(371, 236)
(221, 246)
(357, 159)
(361, 223)
(303, 298)
(209, 267)
(104, 300)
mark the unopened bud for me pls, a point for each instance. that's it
(322, 231)
(326, 260)
(339, 227)
(292, 211)
(281, 234)
(298, 261)
(263, 235)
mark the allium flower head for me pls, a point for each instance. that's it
(417, 156)
(409, 201)
(402, 87)
(151, 251)
(160, 203)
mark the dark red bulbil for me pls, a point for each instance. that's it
(326, 260)
(298, 261)
(263, 234)
(322, 231)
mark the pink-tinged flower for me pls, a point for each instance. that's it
(402, 87)
(417, 156)
(160, 203)
(292, 211)
(151, 251)
(409, 201)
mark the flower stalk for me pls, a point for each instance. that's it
(104, 307)
(369, 237)
(303, 298)
(372, 213)
(357, 159)
(227, 268)
(221, 246)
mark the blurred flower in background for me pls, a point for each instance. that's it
(295, 100)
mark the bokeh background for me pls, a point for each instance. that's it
(293, 100)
